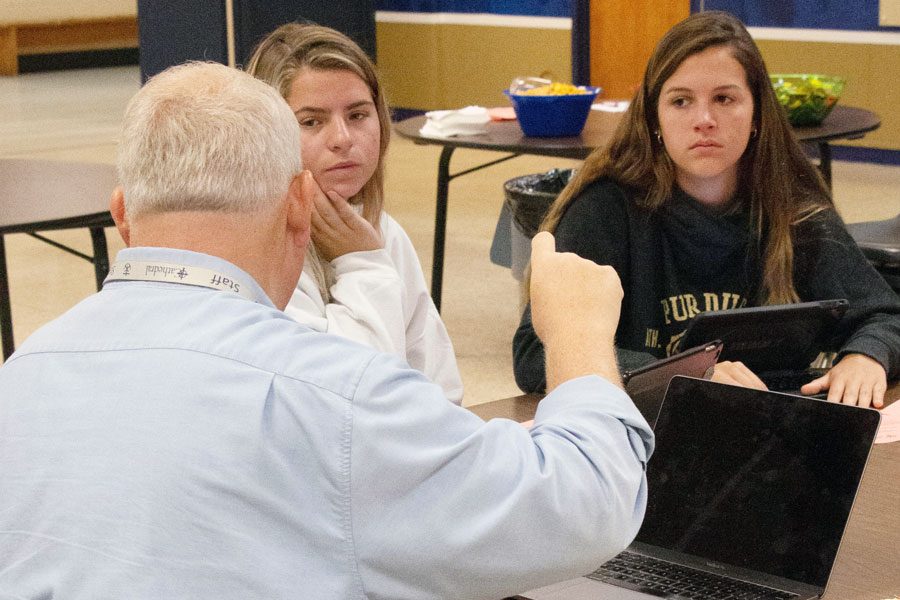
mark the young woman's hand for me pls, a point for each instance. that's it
(857, 380)
(337, 229)
(737, 373)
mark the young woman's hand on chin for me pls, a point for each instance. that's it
(338, 229)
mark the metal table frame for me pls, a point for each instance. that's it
(38, 195)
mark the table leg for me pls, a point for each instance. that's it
(6, 330)
(825, 162)
(440, 226)
(101, 255)
(440, 216)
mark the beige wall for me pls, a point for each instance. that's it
(427, 66)
(46, 26)
(871, 71)
(42, 11)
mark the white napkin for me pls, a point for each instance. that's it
(613, 106)
(470, 120)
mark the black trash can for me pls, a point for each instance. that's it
(528, 198)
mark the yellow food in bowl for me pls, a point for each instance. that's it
(555, 89)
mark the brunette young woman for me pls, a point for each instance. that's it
(704, 200)
(362, 278)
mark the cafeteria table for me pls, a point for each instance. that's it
(844, 123)
(45, 195)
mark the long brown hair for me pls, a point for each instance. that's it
(282, 54)
(782, 186)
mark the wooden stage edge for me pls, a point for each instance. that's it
(70, 35)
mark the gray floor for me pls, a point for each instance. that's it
(75, 115)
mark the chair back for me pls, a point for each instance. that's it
(880, 243)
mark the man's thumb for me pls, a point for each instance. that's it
(543, 244)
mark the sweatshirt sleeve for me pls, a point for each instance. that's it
(379, 299)
(428, 345)
(829, 264)
(366, 302)
(488, 509)
(529, 367)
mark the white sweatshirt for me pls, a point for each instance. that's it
(379, 299)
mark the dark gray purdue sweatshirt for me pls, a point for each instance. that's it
(684, 258)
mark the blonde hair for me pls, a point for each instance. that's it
(277, 60)
(783, 187)
(206, 137)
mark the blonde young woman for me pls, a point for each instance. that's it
(704, 200)
(362, 278)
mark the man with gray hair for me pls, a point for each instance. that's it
(177, 436)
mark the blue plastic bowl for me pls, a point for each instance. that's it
(553, 116)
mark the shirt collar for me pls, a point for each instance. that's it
(190, 258)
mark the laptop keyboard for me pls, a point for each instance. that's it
(666, 579)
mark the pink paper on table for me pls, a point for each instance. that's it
(889, 429)
(502, 113)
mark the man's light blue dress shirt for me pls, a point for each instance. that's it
(173, 441)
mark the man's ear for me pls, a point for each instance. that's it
(300, 197)
(117, 209)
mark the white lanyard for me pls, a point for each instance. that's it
(138, 270)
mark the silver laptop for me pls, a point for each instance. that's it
(749, 495)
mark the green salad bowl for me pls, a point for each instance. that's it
(807, 98)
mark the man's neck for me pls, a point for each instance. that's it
(238, 238)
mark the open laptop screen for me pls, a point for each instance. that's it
(754, 479)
